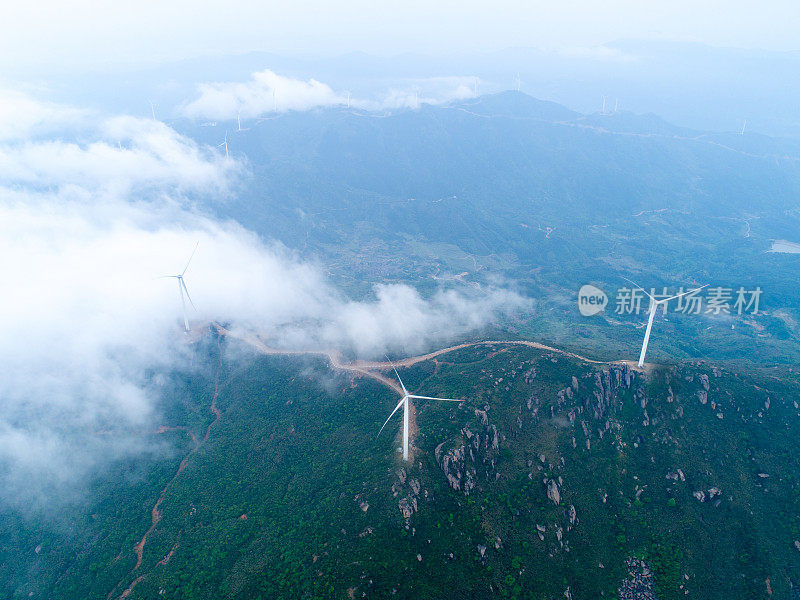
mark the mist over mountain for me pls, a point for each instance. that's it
(358, 227)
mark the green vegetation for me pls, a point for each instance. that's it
(292, 495)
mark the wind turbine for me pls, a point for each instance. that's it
(153, 110)
(519, 82)
(182, 288)
(602, 112)
(653, 308)
(225, 143)
(404, 403)
(239, 121)
(743, 126)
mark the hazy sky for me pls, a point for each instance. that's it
(58, 33)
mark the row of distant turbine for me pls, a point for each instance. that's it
(404, 401)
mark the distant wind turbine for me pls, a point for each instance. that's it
(653, 308)
(239, 122)
(274, 101)
(404, 403)
(519, 83)
(182, 288)
(616, 104)
(348, 99)
(603, 111)
(224, 143)
(743, 126)
(153, 111)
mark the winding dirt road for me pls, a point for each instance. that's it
(367, 368)
(156, 512)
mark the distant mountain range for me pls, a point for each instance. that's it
(694, 85)
(514, 187)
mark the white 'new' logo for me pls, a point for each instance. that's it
(591, 300)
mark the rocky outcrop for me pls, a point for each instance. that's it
(640, 583)
(407, 507)
(460, 475)
(703, 378)
(553, 492)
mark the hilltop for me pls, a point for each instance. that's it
(554, 476)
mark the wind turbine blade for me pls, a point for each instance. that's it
(165, 277)
(685, 293)
(190, 258)
(432, 398)
(405, 391)
(185, 289)
(640, 287)
(396, 408)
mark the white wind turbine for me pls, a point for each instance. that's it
(224, 143)
(239, 121)
(653, 308)
(404, 403)
(182, 288)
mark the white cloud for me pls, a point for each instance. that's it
(84, 319)
(22, 116)
(117, 155)
(128, 153)
(267, 92)
(430, 90)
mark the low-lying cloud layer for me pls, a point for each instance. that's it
(267, 92)
(118, 156)
(86, 229)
